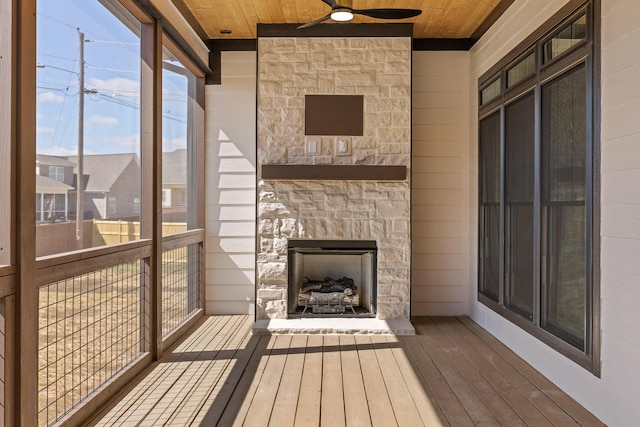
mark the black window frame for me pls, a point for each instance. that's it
(584, 53)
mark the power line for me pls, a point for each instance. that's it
(113, 42)
(114, 70)
(74, 60)
(64, 91)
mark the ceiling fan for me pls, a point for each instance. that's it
(345, 11)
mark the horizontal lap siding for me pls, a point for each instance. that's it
(440, 195)
(620, 200)
(231, 185)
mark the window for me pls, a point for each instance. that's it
(112, 206)
(523, 69)
(490, 206)
(568, 36)
(536, 186)
(88, 117)
(180, 198)
(136, 205)
(490, 92)
(518, 202)
(51, 207)
(56, 173)
(564, 212)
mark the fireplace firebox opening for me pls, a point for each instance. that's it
(332, 278)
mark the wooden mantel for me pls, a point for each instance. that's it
(335, 172)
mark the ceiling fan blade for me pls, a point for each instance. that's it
(388, 13)
(317, 21)
(331, 3)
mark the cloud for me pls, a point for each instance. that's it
(44, 130)
(60, 151)
(105, 121)
(172, 144)
(50, 97)
(38, 116)
(117, 86)
(117, 144)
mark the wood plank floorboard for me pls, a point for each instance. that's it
(218, 399)
(496, 393)
(242, 398)
(430, 414)
(463, 390)
(286, 403)
(442, 396)
(310, 396)
(263, 401)
(533, 407)
(140, 400)
(202, 372)
(380, 408)
(570, 406)
(332, 400)
(451, 373)
(402, 402)
(206, 388)
(355, 397)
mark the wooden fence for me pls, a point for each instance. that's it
(57, 238)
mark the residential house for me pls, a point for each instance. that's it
(111, 186)
(174, 186)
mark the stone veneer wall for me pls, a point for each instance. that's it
(380, 70)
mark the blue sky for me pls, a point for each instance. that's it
(112, 69)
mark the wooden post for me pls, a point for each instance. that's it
(151, 160)
(26, 398)
(9, 360)
(7, 127)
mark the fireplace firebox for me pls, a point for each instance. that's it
(332, 278)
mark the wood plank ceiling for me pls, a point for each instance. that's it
(440, 19)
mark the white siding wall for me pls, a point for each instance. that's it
(440, 171)
(621, 207)
(614, 396)
(230, 186)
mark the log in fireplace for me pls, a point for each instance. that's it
(332, 278)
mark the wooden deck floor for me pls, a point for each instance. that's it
(451, 373)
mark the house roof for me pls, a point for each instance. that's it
(174, 167)
(101, 171)
(46, 183)
(440, 19)
(44, 159)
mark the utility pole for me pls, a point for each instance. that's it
(80, 178)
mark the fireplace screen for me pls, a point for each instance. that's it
(332, 278)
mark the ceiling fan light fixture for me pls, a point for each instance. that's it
(344, 11)
(341, 15)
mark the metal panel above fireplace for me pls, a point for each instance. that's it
(332, 278)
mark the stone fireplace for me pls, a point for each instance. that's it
(361, 194)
